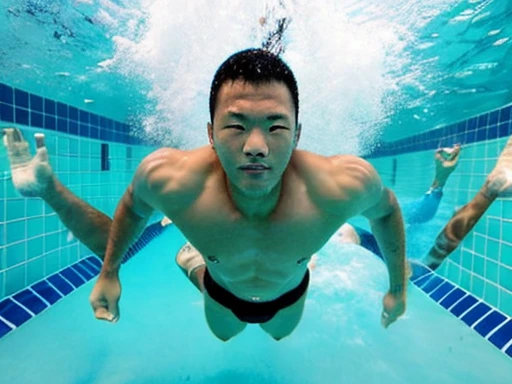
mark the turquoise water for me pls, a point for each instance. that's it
(390, 69)
(162, 336)
(387, 70)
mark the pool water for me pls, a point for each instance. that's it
(162, 336)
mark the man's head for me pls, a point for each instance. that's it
(254, 130)
(256, 67)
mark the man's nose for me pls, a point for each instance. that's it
(256, 145)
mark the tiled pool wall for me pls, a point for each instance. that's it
(93, 156)
(482, 264)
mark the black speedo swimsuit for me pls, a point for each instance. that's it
(252, 311)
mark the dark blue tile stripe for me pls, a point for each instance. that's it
(490, 322)
(4, 329)
(30, 301)
(20, 107)
(458, 302)
(503, 335)
(61, 284)
(13, 313)
(488, 126)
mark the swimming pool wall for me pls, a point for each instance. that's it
(93, 156)
(482, 264)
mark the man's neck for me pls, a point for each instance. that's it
(255, 207)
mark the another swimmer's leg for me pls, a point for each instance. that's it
(34, 177)
(192, 264)
(497, 184)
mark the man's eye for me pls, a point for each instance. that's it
(235, 126)
(277, 127)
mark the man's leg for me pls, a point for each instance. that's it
(34, 177)
(221, 320)
(286, 320)
(497, 184)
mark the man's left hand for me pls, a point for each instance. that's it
(393, 308)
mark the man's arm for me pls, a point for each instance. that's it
(130, 218)
(380, 207)
(34, 177)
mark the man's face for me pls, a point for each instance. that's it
(254, 133)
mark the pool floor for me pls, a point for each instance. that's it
(162, 336)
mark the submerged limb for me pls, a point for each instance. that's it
(34, 177)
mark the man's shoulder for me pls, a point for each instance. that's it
(338, 165)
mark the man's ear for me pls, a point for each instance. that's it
(210, 134)
(298, 130)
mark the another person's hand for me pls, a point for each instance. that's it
(393, 308)
(31, 176)
(446, 162)
(105, 297)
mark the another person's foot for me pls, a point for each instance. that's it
(30, 176)
(499, 181)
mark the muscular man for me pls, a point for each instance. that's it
(253, 208)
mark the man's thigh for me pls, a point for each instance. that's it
(221, 320)
(286, 320)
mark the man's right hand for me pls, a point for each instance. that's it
(105, 297)
(32, 177)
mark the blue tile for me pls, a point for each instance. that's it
(36, 119)
(84, 130)
(4, 328)
(493, 117)
(62, 125)
(62, 110)
(13, 313)
(482, 120)
(481, 134)
(82, 271)
(442, 290)
(49, 107)
(476, 313)
(492, 132)
(22, 116)
(49, 122)
(490, 322)
(29, 300)
(503, 130)
(503, 335)
(47, 292)
(61, 284)
(6, 113)
(73, 127)
(73, 113)
(472, 124)
(94, 134)
(452, 298)
(463, 305)
(93, 119)
(95, 261)
(72, 277)
(508, 351)
(6, 94)
(20, 98)
(93, 269)
(83, 116)
(505, 114)
(36, 103)
(432, 284)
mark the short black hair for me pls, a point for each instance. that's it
(255, 66)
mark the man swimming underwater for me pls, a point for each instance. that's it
(253, 208)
